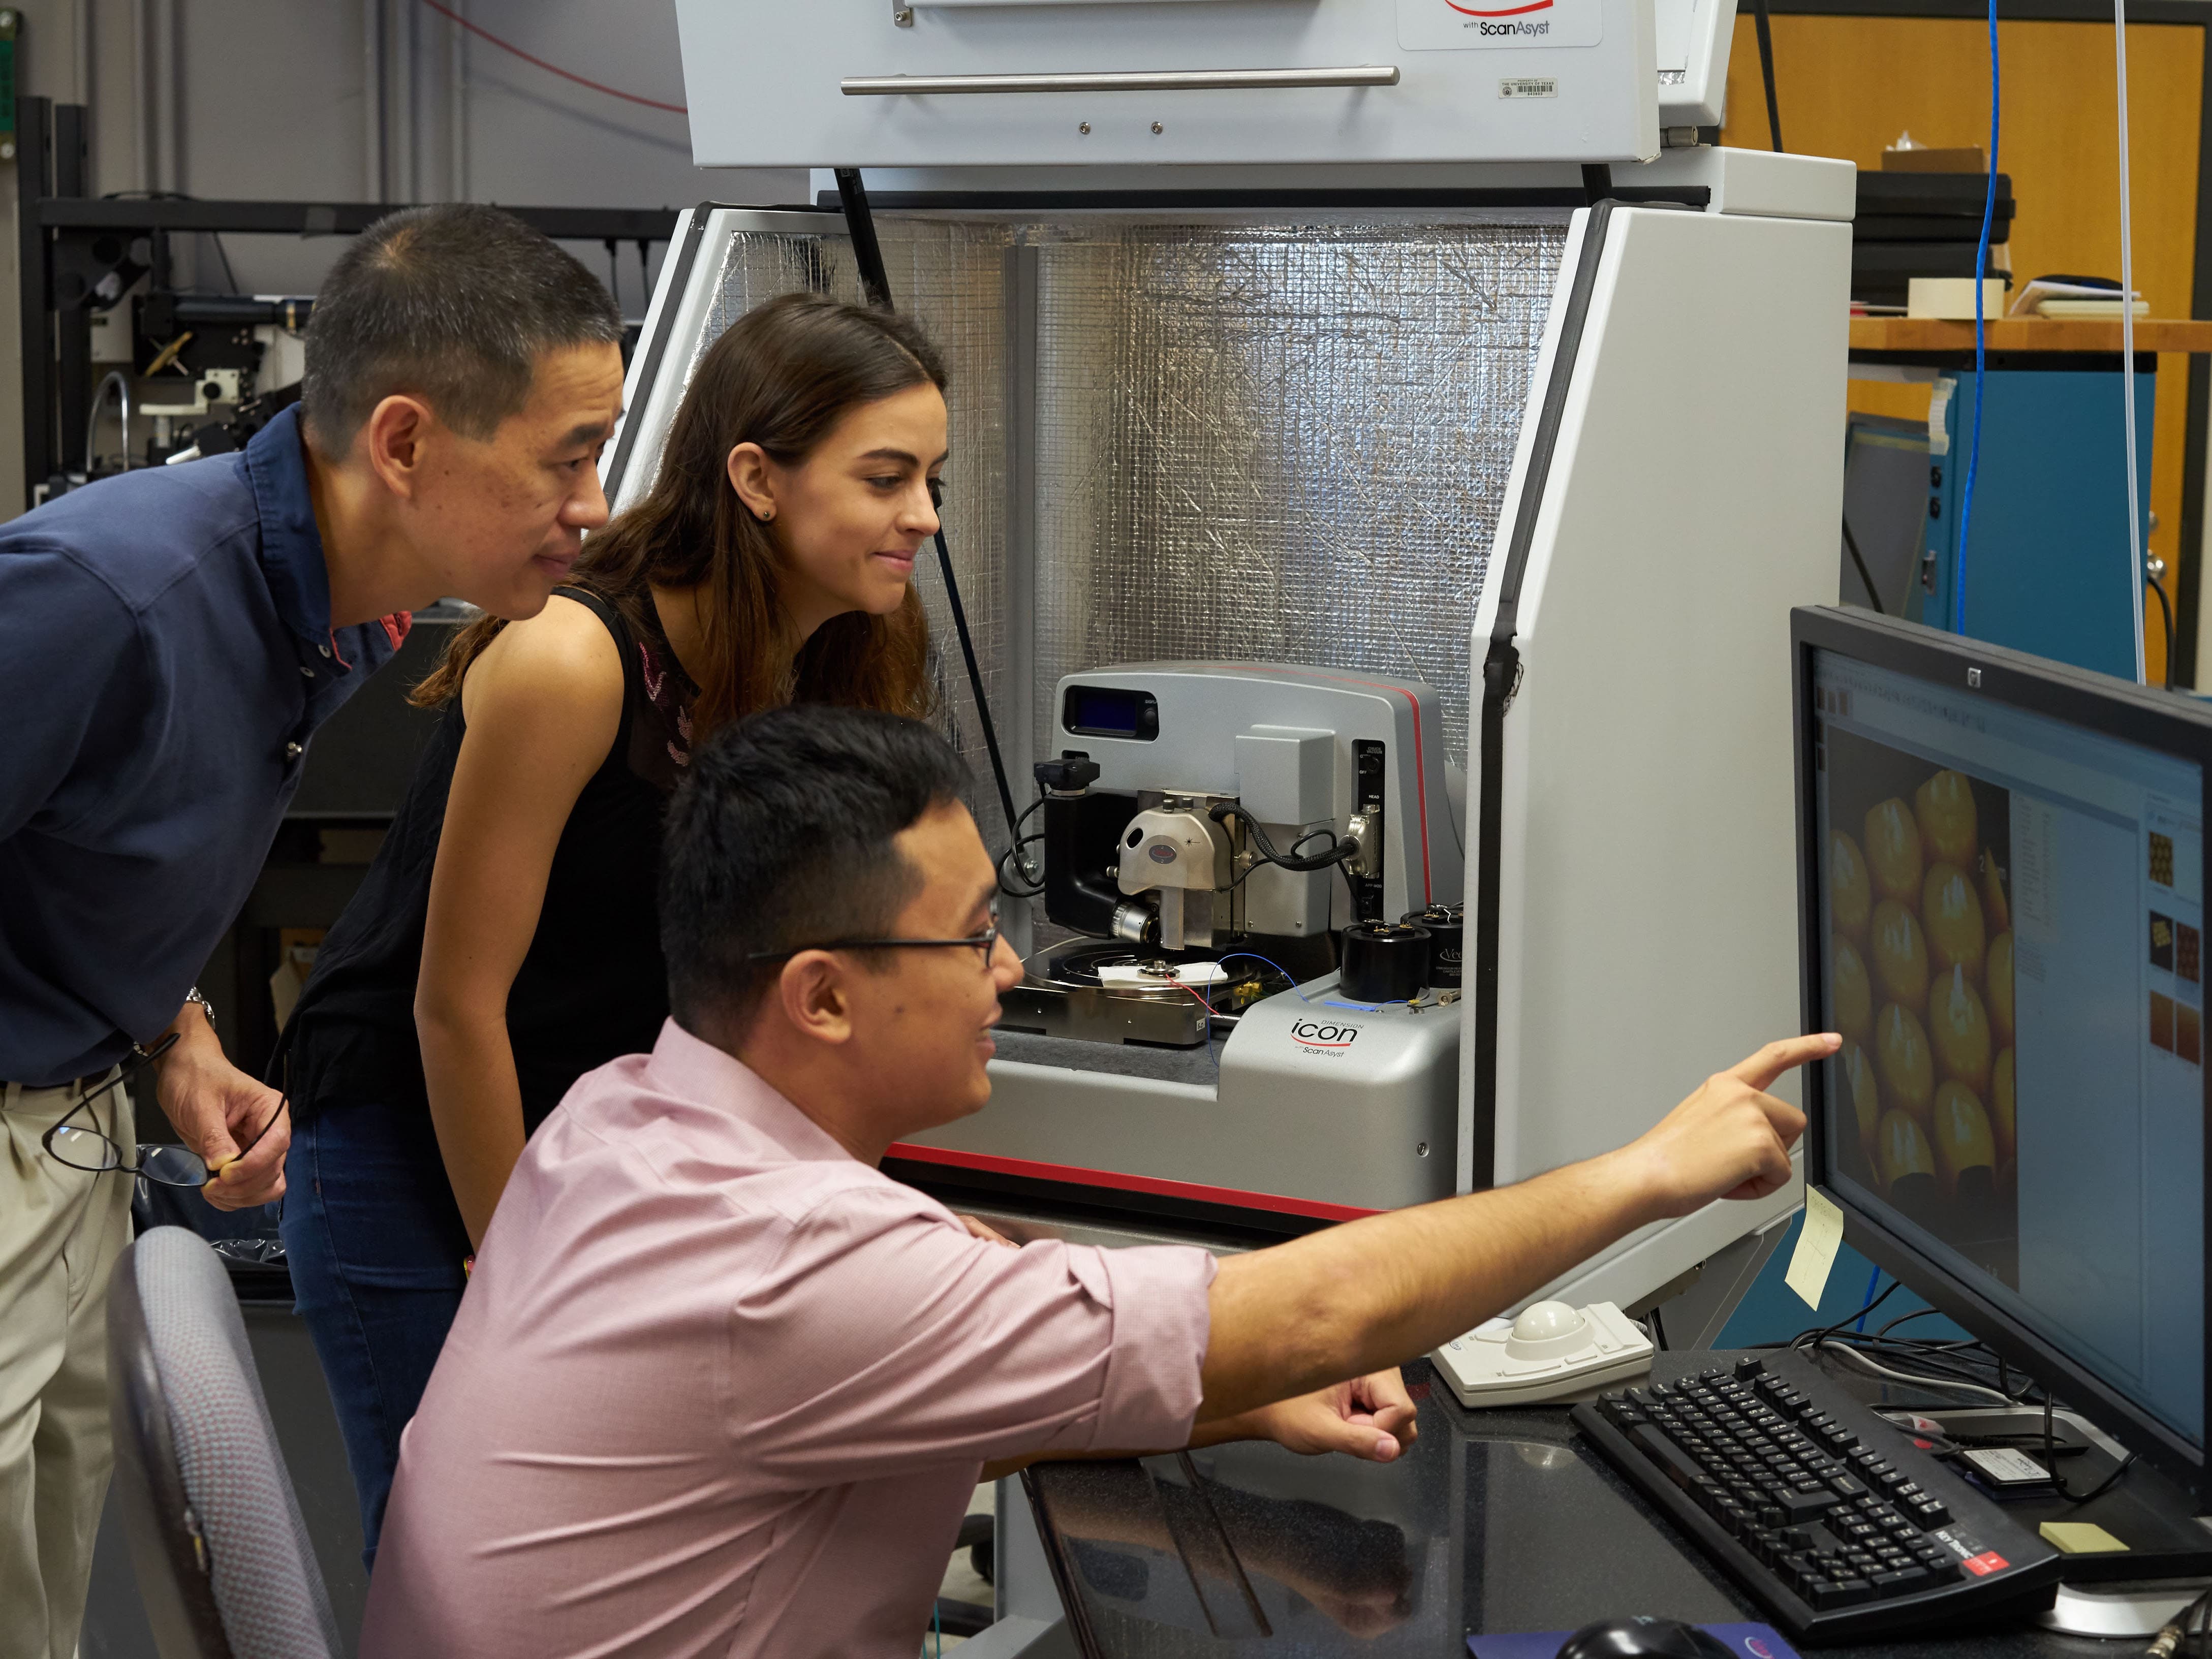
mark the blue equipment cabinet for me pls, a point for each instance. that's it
(2047, 569)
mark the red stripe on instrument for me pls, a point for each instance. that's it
(1073, 1174)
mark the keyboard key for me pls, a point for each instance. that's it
(1904, 1582)
(1798, 1505)
(1681, 1467)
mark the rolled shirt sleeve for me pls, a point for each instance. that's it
(902, 1343)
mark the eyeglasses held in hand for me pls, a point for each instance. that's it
(88, 1149)
(987, 942)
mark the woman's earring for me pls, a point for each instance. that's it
(765, 517)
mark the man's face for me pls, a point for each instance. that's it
(501, 519)
(922, 1025)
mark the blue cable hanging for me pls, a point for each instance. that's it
(1981, 341)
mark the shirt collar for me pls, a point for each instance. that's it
(697, 1071)
(291, 545)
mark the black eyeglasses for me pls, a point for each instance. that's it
(95, 1153)
(986, 942)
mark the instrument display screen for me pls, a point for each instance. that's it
(1099, 711)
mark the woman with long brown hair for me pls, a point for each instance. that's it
(504, 941)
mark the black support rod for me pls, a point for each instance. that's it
(867, 252)
(875, 282)
(1767, 71)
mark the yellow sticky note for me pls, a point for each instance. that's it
(2079, 1537)
(1817, 1242)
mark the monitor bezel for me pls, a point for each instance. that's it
(2172, 723)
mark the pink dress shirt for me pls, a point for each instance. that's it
(718, 1388)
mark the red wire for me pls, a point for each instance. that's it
(1210, 1015)
(459, 21)
(1202, 1002)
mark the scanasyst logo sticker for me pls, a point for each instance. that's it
(1325, 1038)
(1472, 24)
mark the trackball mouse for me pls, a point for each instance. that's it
(1644, 1638)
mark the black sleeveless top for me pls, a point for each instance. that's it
(592, 985)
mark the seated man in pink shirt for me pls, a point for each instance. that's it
(720, 1386)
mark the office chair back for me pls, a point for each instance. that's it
(224, 1560)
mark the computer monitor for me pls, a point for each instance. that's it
(2001, 874)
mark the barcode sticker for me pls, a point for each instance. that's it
(1529, 86)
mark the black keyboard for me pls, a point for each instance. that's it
(1828, 1515)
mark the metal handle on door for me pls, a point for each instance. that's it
(892, 86)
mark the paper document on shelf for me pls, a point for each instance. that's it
(1817, 1242)
(2030, 301)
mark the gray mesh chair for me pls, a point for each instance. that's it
(224, 1560)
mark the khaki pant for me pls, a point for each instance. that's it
(61, 1233)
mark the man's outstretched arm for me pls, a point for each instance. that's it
(1356, 1298)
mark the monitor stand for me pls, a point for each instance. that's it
(2132, 1610)
(2112, 1593)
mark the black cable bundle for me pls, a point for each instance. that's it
(1022, 883)
(1340, 850)
(1943, 1363)
(2164, 604)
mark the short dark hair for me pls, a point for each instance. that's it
(781, 836)
(455, 303)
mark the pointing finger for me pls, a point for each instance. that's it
(1760, 1069)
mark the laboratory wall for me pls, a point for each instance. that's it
(351, 101)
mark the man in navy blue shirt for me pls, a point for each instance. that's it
(169, 641)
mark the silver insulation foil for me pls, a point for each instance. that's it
(1285, 441)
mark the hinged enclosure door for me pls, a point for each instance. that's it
(868, 84)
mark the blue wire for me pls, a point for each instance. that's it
(1981, 340)
(1872, 1280)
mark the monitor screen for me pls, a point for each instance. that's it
(2012, 916)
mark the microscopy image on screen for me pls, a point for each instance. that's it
(1918, 877)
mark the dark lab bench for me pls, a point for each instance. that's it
(1496, 1521)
